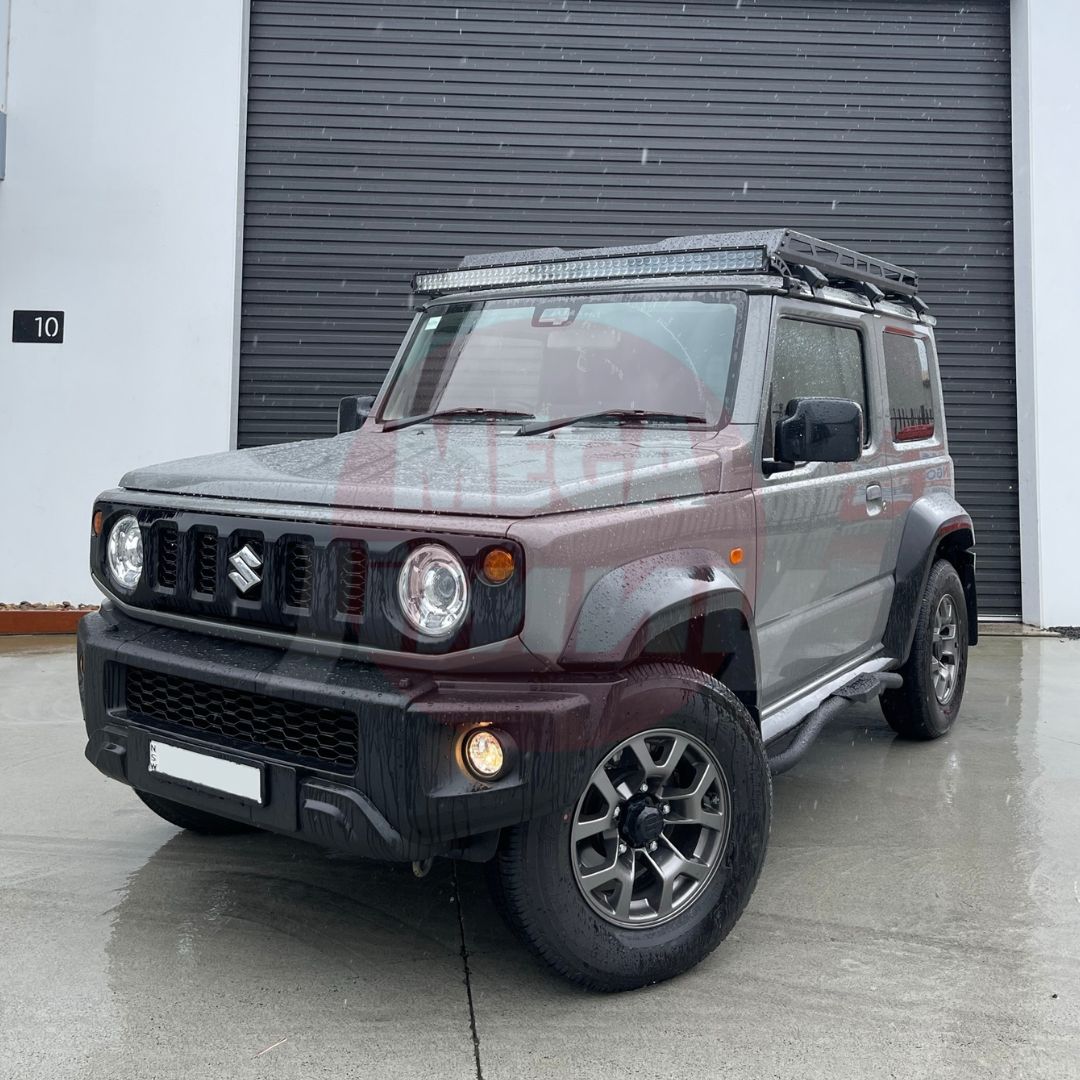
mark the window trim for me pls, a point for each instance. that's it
(903, 331)
(822, 320)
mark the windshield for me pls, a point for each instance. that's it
(664, 353)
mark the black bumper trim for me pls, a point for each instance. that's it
(409, 798)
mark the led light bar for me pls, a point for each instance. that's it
(723, 261)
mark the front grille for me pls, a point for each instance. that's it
(352, 578)
(206, 561)
(236, 718)
(167, 554)
(314, 580)
(299, 573)
(302, 583)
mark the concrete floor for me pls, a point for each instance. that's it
(919, 915)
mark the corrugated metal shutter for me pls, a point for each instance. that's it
(387, 138)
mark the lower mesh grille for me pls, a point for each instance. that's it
(245, 720)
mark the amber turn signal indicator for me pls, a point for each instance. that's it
(498, 566)
(736, 556)
(99, 522)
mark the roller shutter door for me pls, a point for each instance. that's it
(387, 138)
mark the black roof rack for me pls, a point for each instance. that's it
(843, 264)
(792, 254)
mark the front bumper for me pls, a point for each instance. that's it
(403, 795)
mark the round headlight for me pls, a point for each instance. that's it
(124, 553)
(432, 590)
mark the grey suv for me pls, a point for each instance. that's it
(622, 530)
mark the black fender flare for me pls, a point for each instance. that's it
(935, 525)
(630, 605)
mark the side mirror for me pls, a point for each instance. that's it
(353, 411)
(819, 429)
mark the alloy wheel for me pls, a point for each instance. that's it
(944, 656)
(651, 828)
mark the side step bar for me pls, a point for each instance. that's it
(862, 688)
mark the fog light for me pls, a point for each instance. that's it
(484, 754)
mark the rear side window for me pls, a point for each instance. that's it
(812, 359)
(911, 400)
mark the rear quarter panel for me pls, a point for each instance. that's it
(924, 507)
(919, 468)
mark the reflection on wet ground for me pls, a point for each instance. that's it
(919, 915)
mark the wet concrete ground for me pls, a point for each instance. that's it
(919, 915)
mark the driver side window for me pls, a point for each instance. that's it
(813, 359)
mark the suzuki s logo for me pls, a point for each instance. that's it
(245, 563)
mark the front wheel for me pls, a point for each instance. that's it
(651, 867)
(936, 669)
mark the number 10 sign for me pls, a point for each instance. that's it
(41, 327)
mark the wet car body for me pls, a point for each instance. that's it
(631, 542)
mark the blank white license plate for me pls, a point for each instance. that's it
(230, 777)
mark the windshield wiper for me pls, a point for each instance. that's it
(465, 410)
(639, 415)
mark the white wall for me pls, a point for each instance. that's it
(4, 12)
(120, 207)
(1046, 165)
(5, 8)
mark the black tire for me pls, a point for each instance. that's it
(533, 879)
(188, 817)
(915, 710)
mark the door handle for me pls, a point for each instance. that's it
(874, 502)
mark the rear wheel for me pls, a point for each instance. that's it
(651, 867)
(926, 706)
(187, 817)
